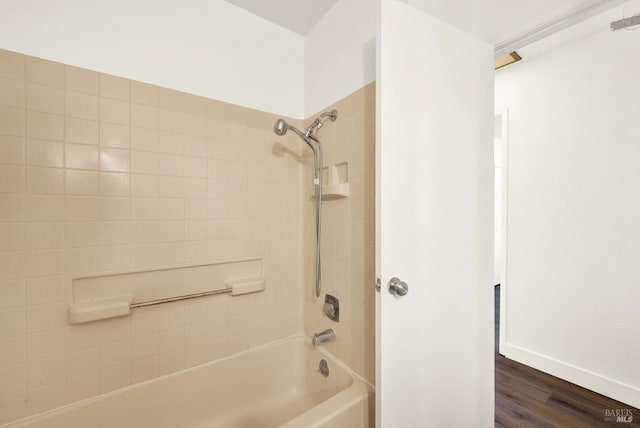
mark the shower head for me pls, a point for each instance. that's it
(281, 127)
(316, 124)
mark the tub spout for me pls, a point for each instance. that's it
(328, 335)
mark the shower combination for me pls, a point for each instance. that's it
(280, 128)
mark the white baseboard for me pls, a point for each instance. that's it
(617, 390)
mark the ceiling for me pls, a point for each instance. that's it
(491, 20)
(296, 15)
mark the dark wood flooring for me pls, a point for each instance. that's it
(526, 397)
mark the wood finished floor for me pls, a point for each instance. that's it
(526, 397)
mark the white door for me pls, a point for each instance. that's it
(434, 217)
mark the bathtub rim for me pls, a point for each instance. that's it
(359, 383)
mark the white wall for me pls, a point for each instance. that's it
(340, 49)
(340, 53)
(209, 48)
(573, 276)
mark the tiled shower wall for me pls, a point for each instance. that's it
(348, 235)
(101, 174)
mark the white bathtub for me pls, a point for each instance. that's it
(276, 385)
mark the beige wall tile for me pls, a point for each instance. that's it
(49, 316)
(46, 371)
(80, 208)
(144, 208)
(13, 350)
(114, 184)
(45, 98)
(152, 177)
(145, 94)
(169, 120)
(115, 354)
(12, 236)
(46, 397)
(12, 179)
(195, 146)
(144, 185)
(112, 159)
(145, 323)
(218, 129)
(43, 290)
(12, 150)
(78, 104)
(195, 167)
(114, 135)
(45, 344)
(12, 121)
(145, 347)
(144, 232)
(12, 322)
(170, 142)
(144, 162)
(12, 294)
(171, 362)
(114, 87)
(144, 116)
(45, 126)
(144, 139)
(44, 235)
(217, 110)
(114, 258)
(81, 234)
(171, 340)
(195, 125)
(349, 234)
(195, 188)
(114, 111)
(81, 156)
(195, 208)
(13, 379)
(12, 92)
(12, 207)
(195, 105)
(113, 233)
(45, 153)
(47, 181)
(82, 336)
(82, 80)
(238, 114)
(13, 406)
(169, 164)
(80, 183)
(45, 72)
(44, 208)
(44, 263)
(113, 208)
(81, 260)
(83, 387)
(144, 370)
(81, 131)
(12, 65)
(115, 330)
(170, 99)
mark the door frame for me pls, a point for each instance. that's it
(504, 206)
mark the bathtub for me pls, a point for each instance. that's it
(275, 385)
